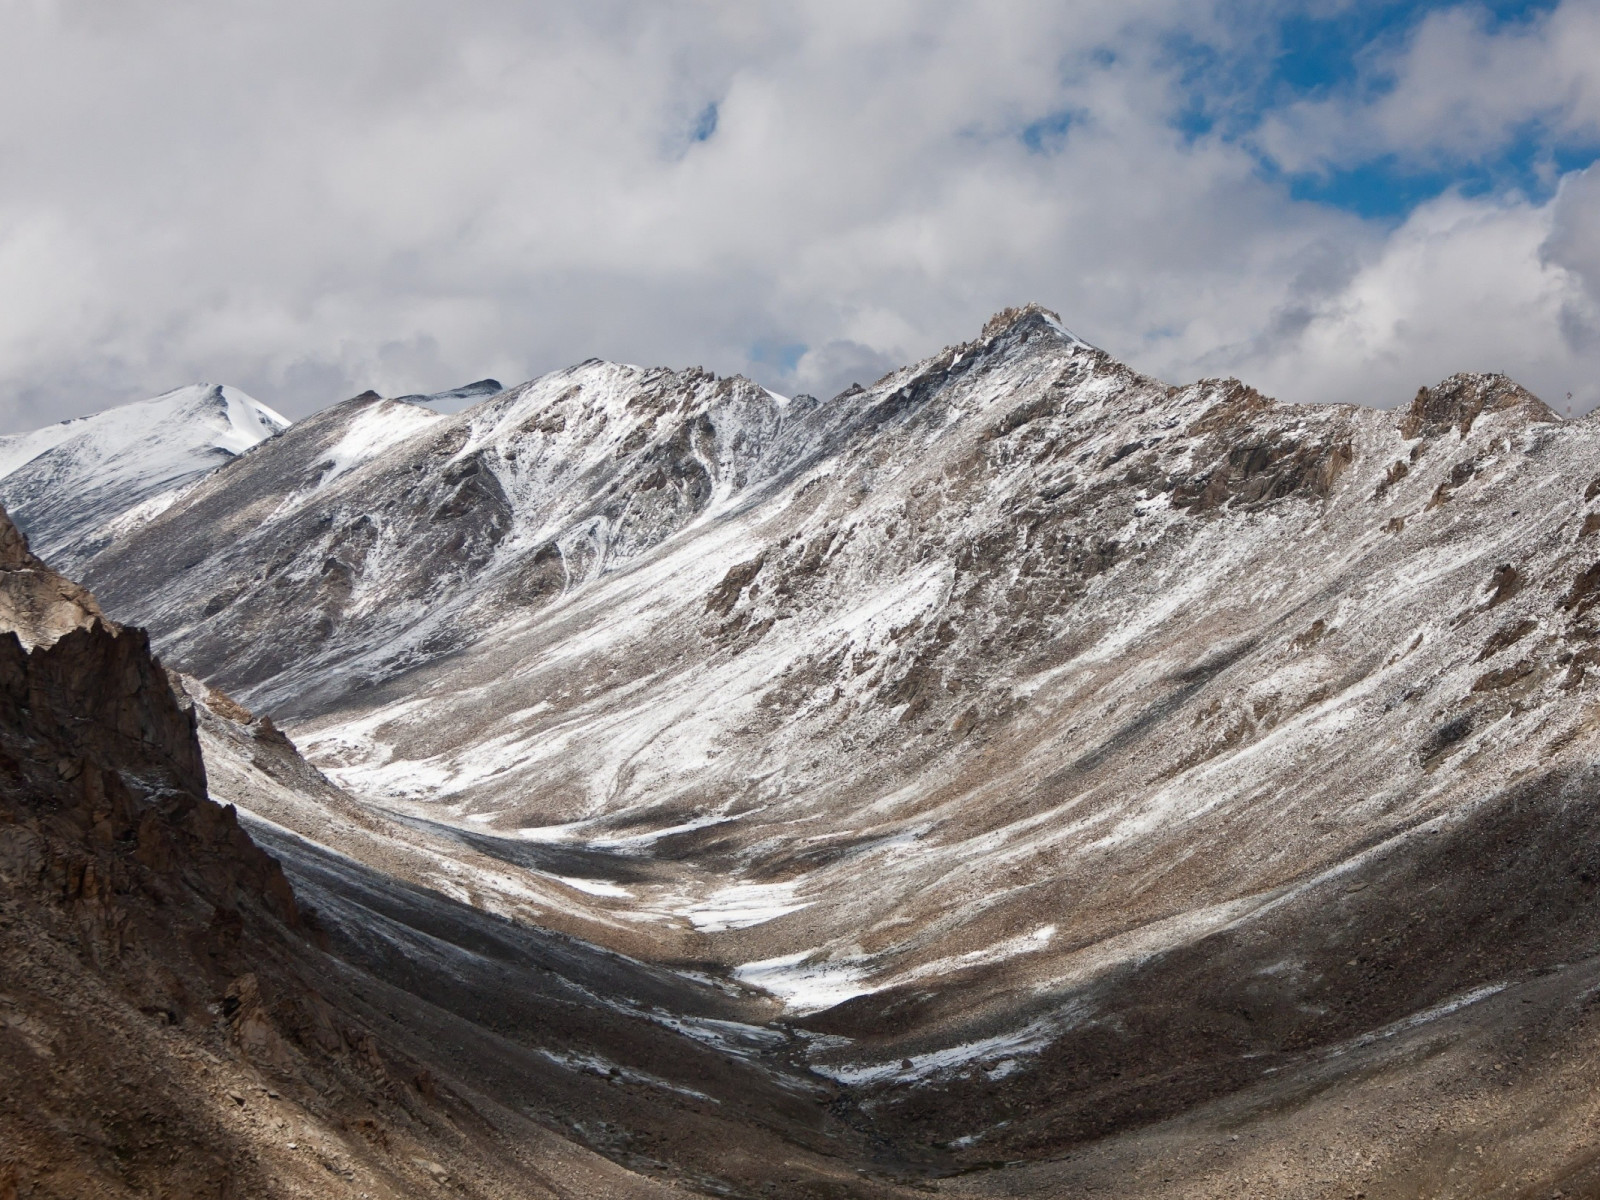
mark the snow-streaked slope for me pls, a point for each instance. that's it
(324, 570)
(1043, 733)
(74, 486)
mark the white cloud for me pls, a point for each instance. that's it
(1458, 88)
(1574, 239)
(310, 199)
(1461, 285)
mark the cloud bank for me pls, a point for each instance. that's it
(310, 199)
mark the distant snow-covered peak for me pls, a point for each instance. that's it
(186, 419)
(458, 398)
(67, 483)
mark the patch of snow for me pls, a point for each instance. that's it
(802, 987)
(594, 887)
(593, 1064)
(731, 1037)
(999, 1050)
(655, 835)
(1027, 943)
(146, 510)
(1442, 1009)
(384, 425)
(68, 482)
(549, 833)
(742, 905)
(156, 432)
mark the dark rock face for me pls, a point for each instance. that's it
(97, 696)
(101, 777)
(91, 695)
(14, 553)
(97, 750)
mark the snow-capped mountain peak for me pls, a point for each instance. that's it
(73, 485)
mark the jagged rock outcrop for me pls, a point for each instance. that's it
(1461, 399)
(99, 754)
(36, 603)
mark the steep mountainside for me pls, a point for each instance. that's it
(174, 1022)
(379, 535)
(1086, 764)
(75, 486)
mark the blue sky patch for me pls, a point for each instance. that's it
(1318, 53)
(1388, 188)
(782, 355)
(1380, 189)
(1047, 133)
(1306, 57)
(705, 124)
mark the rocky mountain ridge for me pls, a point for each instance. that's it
(1078, 759)
(517, 495)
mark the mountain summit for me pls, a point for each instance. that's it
(72, 484)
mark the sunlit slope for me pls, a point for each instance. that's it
(75, 486)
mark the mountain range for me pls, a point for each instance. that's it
(1018, 777)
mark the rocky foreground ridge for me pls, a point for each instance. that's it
(170, 1020)
(1019, 777)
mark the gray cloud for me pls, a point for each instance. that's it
(1574, 239)
(833, 367)
(309, 199)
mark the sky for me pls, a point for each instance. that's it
(1333, 201)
